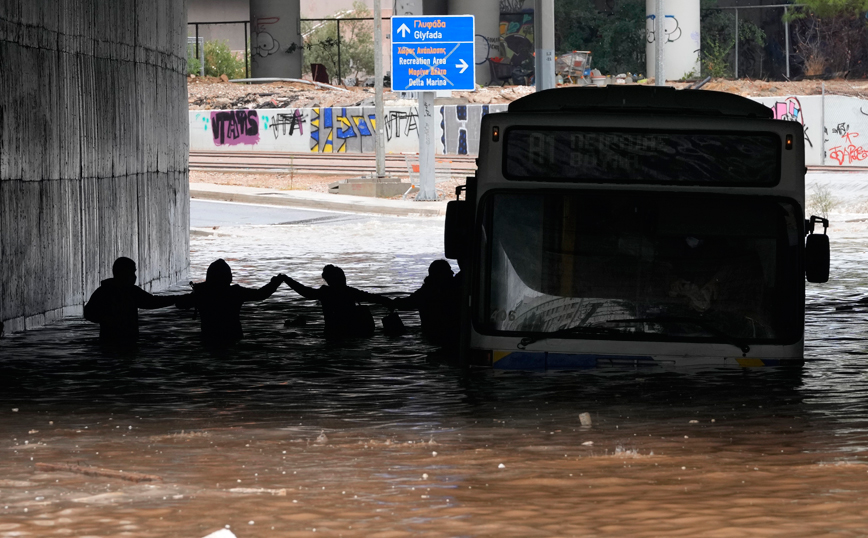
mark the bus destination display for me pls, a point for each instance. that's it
(633, 156)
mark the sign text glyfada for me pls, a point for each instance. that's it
(433, 53)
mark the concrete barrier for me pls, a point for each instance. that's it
(93, 150)
(349, 130)
(334, 130)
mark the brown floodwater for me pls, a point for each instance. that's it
(285, 435)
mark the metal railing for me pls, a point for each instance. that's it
(245, 24)
(786, 8)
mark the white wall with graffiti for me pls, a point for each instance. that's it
(334, 130)
(843, 122)
(836, 127)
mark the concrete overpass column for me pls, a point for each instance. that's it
(275, 39)
(681, 38)
(487, 13)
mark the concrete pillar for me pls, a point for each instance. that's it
(93, 150)
(682, 38)
(275, 39)
(487, 14)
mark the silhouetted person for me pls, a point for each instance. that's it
(344, 318)
(219, 302)
(437, 303)
(115, 304)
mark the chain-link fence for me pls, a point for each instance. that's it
(221, 47)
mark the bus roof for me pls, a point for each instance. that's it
(640, 100)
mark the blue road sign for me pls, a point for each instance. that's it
(433, 53)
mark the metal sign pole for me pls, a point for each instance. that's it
(427, 171)
(660, 39)
(379, 127)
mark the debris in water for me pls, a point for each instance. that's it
(95, 471)
(694, 422)
(279, 492)
(321, 438)
(14, 409)
(588, 443)
(585, 419)
(501, 466)
(424, 476)
(434, 453)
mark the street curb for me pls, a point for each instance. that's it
(287, 201)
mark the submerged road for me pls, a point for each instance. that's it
(206, 214)
(287, 435)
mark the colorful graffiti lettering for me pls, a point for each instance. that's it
(848, 152)
(337, 126)
(235, 127)
(790, 109)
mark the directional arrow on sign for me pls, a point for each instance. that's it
(403, 30)
(462, 65)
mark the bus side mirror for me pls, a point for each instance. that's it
(817, 253)
(457, 232)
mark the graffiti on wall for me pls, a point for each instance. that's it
(285, 123)
(264, 43)
(671, 28)
(339, 130)
(516, 35)
(399, 123)
(459, 127)
(790, 109)
(848, 151)
(233, 127)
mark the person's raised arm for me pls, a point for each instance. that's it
(263, 293)
(301, 289)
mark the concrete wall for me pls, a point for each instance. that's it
(93, 150)
(334, 130)
(843, 122)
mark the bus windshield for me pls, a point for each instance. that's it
(664, 266)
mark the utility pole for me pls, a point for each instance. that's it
(379, 128)
(544, 43)
(659, 40)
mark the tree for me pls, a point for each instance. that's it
(356, 43)
(717, 28)
(615, 35)
(831, 37)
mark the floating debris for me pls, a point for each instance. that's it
(279, 492)
(585, 419)
(321, 439)
(96, 471)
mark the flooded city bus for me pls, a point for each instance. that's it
(635, 226)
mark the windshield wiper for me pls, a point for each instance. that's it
(578, 329)
(698, 322)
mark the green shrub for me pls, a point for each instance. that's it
(194, 66)
(219, 60)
